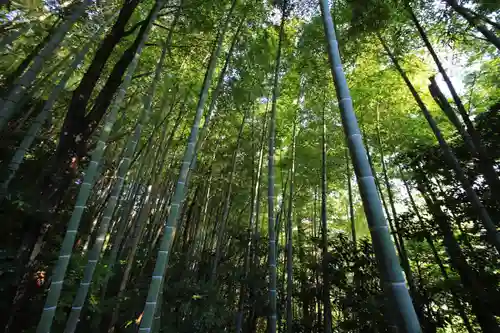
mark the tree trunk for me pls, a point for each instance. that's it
(77, 125)
(390, 271)
(349, 191)
(89, 179)
(21, 68)
(428, 326)
(270, 189)
(289, 261)
(428, 238)
(468, 277)
(9, 105)
(227, 203)
(484, 164)
(493, 235)
(487, 163)
(382, 198)
(327, 313)
(180, 190)
(473, 21)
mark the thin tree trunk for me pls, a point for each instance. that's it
(327, 313)
(428, 237)
(351, 203)
(123, 168)
(79, 125)
(270, 187)
(382, 198)
(254, 225)
(493, 235)
(227, 203)
(13, 35)
(123, 223)
(248, 247)
(468, 277)
(403, 255)
(136, 238)
(21, 68)
(289, 261)
(8, 106)
(89, 179)
(484, 164)
(466, 14)
(179, 192)
(485, 159)
(18, 157)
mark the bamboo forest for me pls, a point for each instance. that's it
(250, 166)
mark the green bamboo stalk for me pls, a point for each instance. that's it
(258, 188)
(290, 212)
(122, 222)
(382, 196)
(327, 313)
(179, 192)
(272, 320)
(469, 277)
(8, 106)
(482, 161)
(20, 67)
(398, 233)
(251, 256)
(208, 122)
(201, 234)
(227, 202)
(349, 191)
(49, 309)
(40, 119)
(155, 328)
(277, 221)
(248, 247)
(157, 221)
(135, 240)
(390, 270)
(123, 168)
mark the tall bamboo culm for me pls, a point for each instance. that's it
(272, 319)
(175, 207)
(390, 271)
(123, 168)
(40, 119)
(8, 106)
(45, 323)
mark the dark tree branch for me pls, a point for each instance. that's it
(478, 37)
(142, 75)
(103, 100)
(134, 28)
(161, 26)
(168, 12)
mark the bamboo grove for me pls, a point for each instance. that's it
(250, 166)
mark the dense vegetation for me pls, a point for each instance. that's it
(191, 166)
